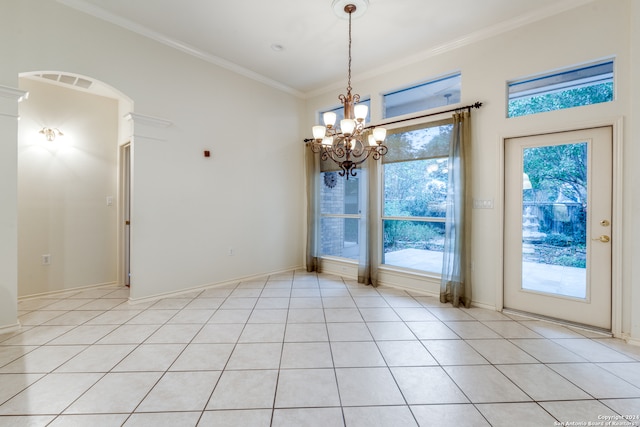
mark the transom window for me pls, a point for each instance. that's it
(431, 94)
(572, 87)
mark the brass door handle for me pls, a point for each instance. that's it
(604, 238)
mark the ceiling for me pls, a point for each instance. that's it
(240, 35)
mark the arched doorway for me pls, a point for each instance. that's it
(70, 228)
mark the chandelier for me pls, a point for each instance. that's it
(352, 143)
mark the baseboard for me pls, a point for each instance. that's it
(630, 340)
(7, 329)
(65, 291)
(561, 322)
(411, 281)
(411, 290)
(171, 294)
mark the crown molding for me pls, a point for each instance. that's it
(102, 14)
(148, 120)
(500, 28)
(10, 92)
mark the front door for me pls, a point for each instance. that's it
(558, 210)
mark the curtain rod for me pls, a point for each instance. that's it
(466, 107)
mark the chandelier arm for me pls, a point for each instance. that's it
(376, 155)
(339, 148)
(363, 158)
(333, 154)
(378, 151)
(315, 147)
(359, 148)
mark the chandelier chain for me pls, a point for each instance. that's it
(349, 65)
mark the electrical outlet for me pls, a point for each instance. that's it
(46, 259)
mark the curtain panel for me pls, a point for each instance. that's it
(370, 210)
(455, 286)
(312, 169)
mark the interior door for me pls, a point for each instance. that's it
(125, 164)
(558, 210)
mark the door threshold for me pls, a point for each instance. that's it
(589, 328)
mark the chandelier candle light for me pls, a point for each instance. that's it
(51, 133)
(346, 145)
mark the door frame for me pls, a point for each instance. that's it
(616, 125)
(125, 167)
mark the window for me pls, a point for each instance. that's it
(573, 87)
(339, 215)
(432, 94)
(415, 177)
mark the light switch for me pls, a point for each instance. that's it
(482, 204)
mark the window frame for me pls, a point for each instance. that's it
(422, 219)
(342, 216)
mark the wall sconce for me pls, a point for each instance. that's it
(50, 133)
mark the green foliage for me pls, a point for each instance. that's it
(411, 234)
(557, 171)
(559, 100)
(570, 261)
(415, 172)
(422, 143)
(416, 188)
(558, 175)
(557, 239)
(567, 256)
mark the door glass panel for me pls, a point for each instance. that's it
(554, 219)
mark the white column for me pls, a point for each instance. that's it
(9, 98)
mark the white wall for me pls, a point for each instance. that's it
(8, 208)
(598, 30)
(187, 210)
(63, 187)
(632, 272)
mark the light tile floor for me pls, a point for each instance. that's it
(301, 349)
